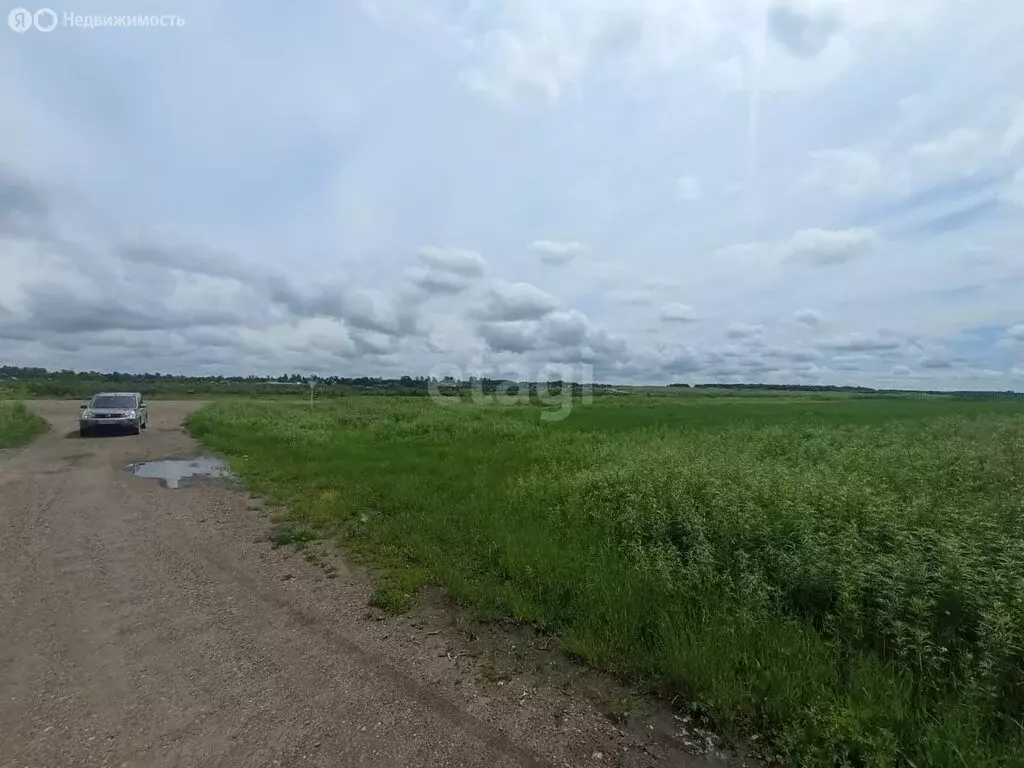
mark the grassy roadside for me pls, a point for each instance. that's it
(843, 580)
(18, 424)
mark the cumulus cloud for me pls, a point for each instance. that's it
(516, 336)
(566, 328)
(680, 361)
(958, 142)
(446, 271)
(363, 309)
(187, 259)
(364, 242)
(516, 301)
(370, 310)
(564, 337)
(438, 281)
(175, 304)
(936, 362)
(809, 317)
(60, 308)
(793, 355)
(307, 300)
(453, 260)
(824, 248)
(804, 30)
(861, 342)
(23, 207)
(852, 362)
(850, 172)
(679, 313)
(743, 330)
(556, 253)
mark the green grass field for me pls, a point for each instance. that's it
(18, 424)
(842, 580)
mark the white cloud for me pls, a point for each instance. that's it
(1014, 135)
(936, 362)
(338, 232)
(633, 296)
(810, 317)
(517, 49)
(446, 270)
(456, 260)
(852, 362)
(534, 47)
(743, 330)
(679, 313)
(861, 342)
(806, 29)
(556, 253)
(959, 141)
(510, 336)
(793, 355)
(849, 172)
(825, 248)
(1014, 192)
(517, 301)
(566, 328)
(1016, 332)
(959, 151)
(439, 281)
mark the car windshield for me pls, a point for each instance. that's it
(113, 401)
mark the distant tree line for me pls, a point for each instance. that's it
(40, 382)
(854, 390)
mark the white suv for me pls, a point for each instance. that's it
(114, 411)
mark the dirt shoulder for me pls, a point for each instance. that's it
(147, 626)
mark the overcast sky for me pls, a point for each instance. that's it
(664, 190)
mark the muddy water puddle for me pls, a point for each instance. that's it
(175, 473)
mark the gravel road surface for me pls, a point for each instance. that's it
(148, 626)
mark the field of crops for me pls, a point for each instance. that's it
(843, 580)
(18, 424)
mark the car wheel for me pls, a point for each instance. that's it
(145, 423)
(137, 428)
(83, 432)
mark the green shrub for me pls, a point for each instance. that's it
(18, 424)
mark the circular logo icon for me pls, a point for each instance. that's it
(20, 20)
(45, 19)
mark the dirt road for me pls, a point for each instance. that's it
(147, 626)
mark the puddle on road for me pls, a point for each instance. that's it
(173, 473)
